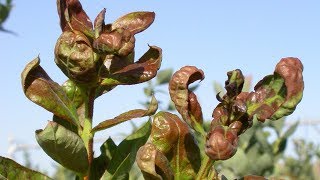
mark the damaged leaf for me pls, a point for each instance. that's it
(64, 146)
(137, 113)
(40, 89)
(173, 138)
(186, 101)
(135, 22)
(277, 95)
(153, 163)
(141, 71)
(73, 17)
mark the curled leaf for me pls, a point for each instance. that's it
(141, 71)
(235, 82)
(73, 17)
(73, 92)
(222, 143)
(40, 89)
(186, 101)
(76, 58)
(135, 22)
(64, 146)
(277, 95)
(178, 145)
(153, 163)
(164, 132)
(137, 113)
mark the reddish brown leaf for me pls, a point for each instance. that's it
(277, 95)
(222, 143)
(73, 17)
(42, 90)
(99, 22)
(135, 22)
(186, 101)
(173, 138)
(153, 163)
(141, 71)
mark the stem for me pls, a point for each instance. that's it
(206, 165)
(86, 135)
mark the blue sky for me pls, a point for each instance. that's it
(216, 36)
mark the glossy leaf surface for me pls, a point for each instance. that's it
(135, 22)
(186, 101)
(137, 113)
(125, 154)
(9, 169)
(173, 138)
(277, 95)
(40, 89)
(73, 17)
(141, 71)
(64, 146)
(153, 163)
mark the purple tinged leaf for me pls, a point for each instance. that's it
(73, 17)
(137, 113)
(186, 101)
(40, 89)
(135, 22)
(64, 146)
(99, 22)
(153, 163)
(9, 169)
(141, 71)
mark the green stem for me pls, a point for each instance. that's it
(86, 135)
(206, 165)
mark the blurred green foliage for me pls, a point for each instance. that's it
(5, 9)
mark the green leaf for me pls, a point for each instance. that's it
(277, 125)
(137, 113)
(290, 131)
(164, 76)
(234, 165)
(153, 163)
(99, 165)
(277, 95)
(64, 146)
(74, 93)
(185, 100)
(125, 154)
(40, 89)
(135, 22)
(141, 71)
(9, 169)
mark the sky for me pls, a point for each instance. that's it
(215, 36)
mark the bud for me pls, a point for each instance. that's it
(119, 41)
(75, 57)
(221, 143)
